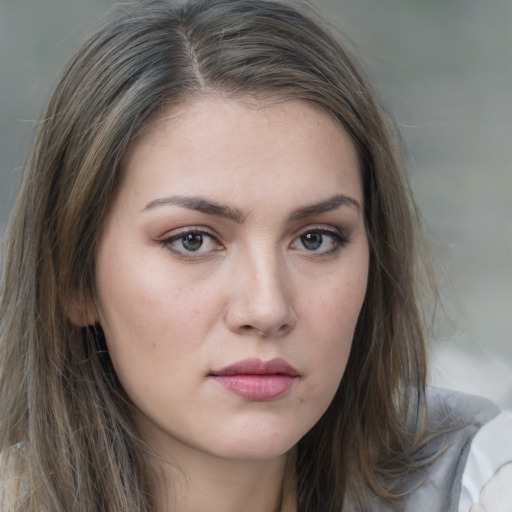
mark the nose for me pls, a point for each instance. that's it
(260, 301)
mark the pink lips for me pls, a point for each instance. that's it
(257, 380)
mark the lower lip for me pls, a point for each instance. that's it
(256, 388)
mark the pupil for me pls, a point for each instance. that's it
(192, 241)
(312, 241)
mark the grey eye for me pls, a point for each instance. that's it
(192, 241)
(312, 241)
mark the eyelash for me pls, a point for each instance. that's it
(194, 231)
(338, 239)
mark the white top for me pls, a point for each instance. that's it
(471, 470)
(487, 477)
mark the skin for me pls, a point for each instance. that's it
(254, 286)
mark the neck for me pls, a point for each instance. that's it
(210, 484)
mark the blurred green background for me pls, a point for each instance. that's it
(444, 68)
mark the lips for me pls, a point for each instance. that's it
(257, 380)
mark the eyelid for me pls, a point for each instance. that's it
(174, 235)
(340, 239)
(199, 229)
(321, 228)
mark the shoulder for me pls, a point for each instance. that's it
(471, 441)
(486, 484)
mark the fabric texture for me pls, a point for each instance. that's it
(438, 487)
(441, 490)
(487, 479)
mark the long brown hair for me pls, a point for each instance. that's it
(67, 439)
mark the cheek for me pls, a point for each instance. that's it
(335, 308)
(333, 317)
(152, 316)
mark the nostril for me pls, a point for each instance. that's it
(260, 314)
(251, 329)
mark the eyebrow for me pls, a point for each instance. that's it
(200, 204)
(210, 207)
(332, 203)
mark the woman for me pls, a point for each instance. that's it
(211, 294)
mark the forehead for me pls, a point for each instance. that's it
(236, 147)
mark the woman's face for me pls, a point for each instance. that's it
(230, 275)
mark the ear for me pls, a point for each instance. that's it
(81, 310)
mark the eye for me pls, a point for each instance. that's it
(320, 241)
(192, 241)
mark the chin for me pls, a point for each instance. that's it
(263, 444)
(256, 452)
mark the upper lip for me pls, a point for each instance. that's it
(254, 366)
